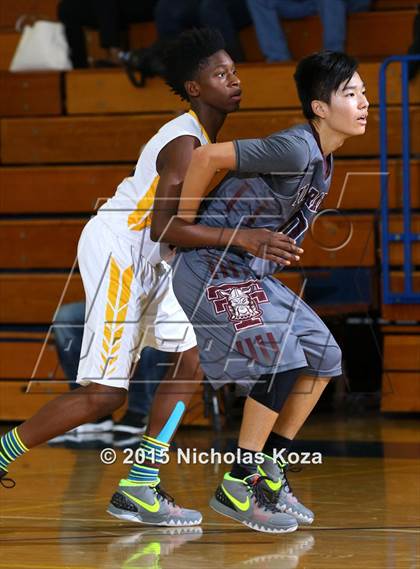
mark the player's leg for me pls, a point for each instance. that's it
(182, 380)
(323, 356)
(82, 405)
(107, 346)
(85, 404)
(285, 326)
(298, 406)
(139, 497)
(147, 375)
(292, 416)
(239, 346)
(241, 495)
(174, 334)
(324, 362)
(68, 335)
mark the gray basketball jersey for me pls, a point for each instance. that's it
(246, 322)
(280, 183)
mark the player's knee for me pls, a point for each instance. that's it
(103, 400)
(273, 390)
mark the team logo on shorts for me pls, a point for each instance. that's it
(240, 301)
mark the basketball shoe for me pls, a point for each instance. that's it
(149, 504)
(245, 501)
(275, 483)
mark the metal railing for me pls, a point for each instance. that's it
(406, 237)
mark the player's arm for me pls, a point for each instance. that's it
(271, 155)
(172, 165)
(206, 161)
(173, 162)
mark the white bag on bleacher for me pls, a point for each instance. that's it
(42, 47)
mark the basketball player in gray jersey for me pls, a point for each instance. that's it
(251, 329)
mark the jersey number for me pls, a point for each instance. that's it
(296, 226)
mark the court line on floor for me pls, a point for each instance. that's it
(412, 529)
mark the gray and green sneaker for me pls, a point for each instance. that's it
(246, 502)
(149, 504)
(275, 483)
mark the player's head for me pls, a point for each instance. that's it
(197, 68)
(331, 90)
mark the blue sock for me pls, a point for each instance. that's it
(154, 453)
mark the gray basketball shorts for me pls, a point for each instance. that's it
(247, 327)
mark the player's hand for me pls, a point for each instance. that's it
(269, 245)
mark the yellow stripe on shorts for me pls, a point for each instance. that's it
(118, 297)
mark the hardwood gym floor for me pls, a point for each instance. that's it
(365, 494)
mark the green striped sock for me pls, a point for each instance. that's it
(11, 447)
(154, 453)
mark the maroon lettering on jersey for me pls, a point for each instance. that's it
(240, 301)
(314, 199)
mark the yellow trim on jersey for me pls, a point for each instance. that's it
(203, 130)
(141, 216)
(118, 296)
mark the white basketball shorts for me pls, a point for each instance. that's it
(129, 304)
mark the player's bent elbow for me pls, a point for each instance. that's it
(155, 233)
(157, 228)
(161, 232)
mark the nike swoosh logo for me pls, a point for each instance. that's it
(243, 506)
(153, 508)
(274, 486)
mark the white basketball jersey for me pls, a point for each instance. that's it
(129, 212)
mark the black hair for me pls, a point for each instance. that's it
(183, 57)
(319, 75)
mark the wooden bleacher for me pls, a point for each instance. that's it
(77, 189)
(32, 298)
(58, 189)
(30, 94)
(67, 140)
(366, 37)
(110, 138)
(400, 381)
(19, 354)
(96, 92)
(11, 11)
(51, 244)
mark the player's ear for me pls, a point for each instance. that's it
(192, 88)
(320, 108)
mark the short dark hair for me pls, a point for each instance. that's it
(319, 75)
(185, 55)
